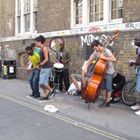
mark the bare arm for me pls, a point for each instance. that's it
(45, 51)
(109, 58)
(88, 62)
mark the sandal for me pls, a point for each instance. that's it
(51, 93)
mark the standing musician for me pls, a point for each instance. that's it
(63, 56)
(106, 55)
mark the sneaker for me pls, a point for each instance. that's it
(36, 96)
(101, 104)
(75, 94)
(50, 94)
(31, 95)
(135, 107)
(137, 112)
(107, 104)
(78, 92)
(44, 98)
(67, 93)
(86, 101)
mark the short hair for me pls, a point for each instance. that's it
(40, 38)
(32, 45)
(95, 43)
(28, 48)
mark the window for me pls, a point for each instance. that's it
(26, 16)
(85, 12)
(95, 10)
(116, 9)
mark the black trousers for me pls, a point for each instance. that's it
(65, 78)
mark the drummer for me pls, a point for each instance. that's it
(63, 56)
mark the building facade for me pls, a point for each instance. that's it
(79, 22)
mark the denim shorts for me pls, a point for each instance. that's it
(107, 83)
(44, 76)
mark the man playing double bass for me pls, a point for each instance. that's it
(105, 54)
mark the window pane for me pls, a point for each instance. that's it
(19, 24)
(96, 8)
(35, 21)
(27, 22)
(101, 7)
(35, 5)
(78, 11)
(35, 15)
(18, 16)
(114, 4)
(96, 17)
(18, 8)
(26, 6)
(101, 16)
(91, 18)
(27, 15)
(120, 13)
(91, 9)
(113, 14)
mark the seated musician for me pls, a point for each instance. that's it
(79, 77)
(110, 59)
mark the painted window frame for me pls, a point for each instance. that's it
(22, 28)
(85, 15)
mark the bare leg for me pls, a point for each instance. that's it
(49, 88)
(75, 82)
(46, 89)
(108, 96)
(104, 94)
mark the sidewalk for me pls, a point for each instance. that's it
(118, 117)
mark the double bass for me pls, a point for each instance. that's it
(93, 87)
